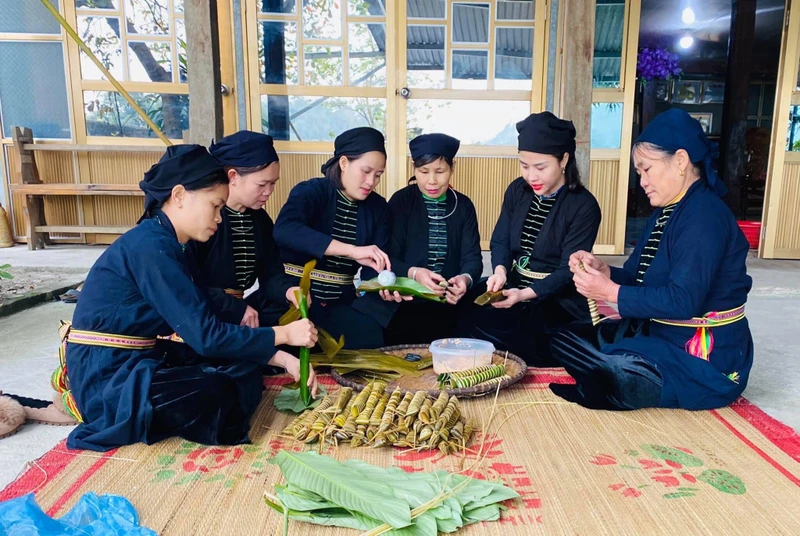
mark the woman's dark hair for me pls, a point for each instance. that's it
(698, 167)
(334, 173)
(246, 170)
(572, 177)
(210, 181)
(426, 159)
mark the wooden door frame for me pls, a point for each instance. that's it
(786, 96)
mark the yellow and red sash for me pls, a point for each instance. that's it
(702, 343)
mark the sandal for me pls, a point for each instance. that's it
(43, 411)
(12, 416)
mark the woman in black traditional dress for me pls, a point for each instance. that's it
(435, 241)
(547, 215)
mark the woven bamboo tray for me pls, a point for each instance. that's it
(515, 368)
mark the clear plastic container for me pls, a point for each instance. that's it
(453, 355)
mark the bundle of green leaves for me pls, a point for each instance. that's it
(357, 495)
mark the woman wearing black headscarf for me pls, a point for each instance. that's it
(683, 341)
(341, 221)
(547, 215)
(243, 251)
(120, 379)
(435, 241)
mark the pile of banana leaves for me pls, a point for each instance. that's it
(357, 495)
(371, 364)
(404, 285)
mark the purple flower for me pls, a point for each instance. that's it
(657, 64)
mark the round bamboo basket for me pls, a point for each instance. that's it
(515, 369)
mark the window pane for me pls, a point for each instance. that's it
(470, 23)
(103, 4)
(513, 62)
(178, 6)
(101, 35)
(109, 114)
(33, 89)
(515, 10)
(180, 39)
(277, 52)
(366, 8)
(470, 69)
(319, 118)
(277, 6)
(149, 61)
(793, 134)
(367, 58)
(24, 16)
(608, 29)
(425, 63)
(323, 65)
(458, 118)
(606, 125)
(322, 19)
(425, 9)
(147, 17)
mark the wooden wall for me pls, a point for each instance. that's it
(483, 179)
(787, 238)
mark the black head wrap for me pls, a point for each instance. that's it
(545, 133)
(435, 144)
(245, 149)
(181, 164)
(355, 142)
(676, 129)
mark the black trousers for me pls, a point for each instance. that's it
(204, 400)
(360, 330)
(524, 329)
(422, 322)
(604, 381)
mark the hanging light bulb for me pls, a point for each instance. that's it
(686, 42)
(688, 16)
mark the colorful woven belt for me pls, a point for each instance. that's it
(60, 380)
(319, 275)
(236, 293)
(702, 343)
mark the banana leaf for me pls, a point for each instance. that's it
(327, 343)
(291, 400)
(318, 486)
(404, 285)
(327, 478)
(490, 297)
(367, 361)
(305, 366)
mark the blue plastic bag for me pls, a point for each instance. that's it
(93, 515)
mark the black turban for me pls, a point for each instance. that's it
(435, 144)
(355, 142)
(676, 129)
(181, 164)
(245, 149)
(545, 133)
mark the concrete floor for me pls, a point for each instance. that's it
(28, 342)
